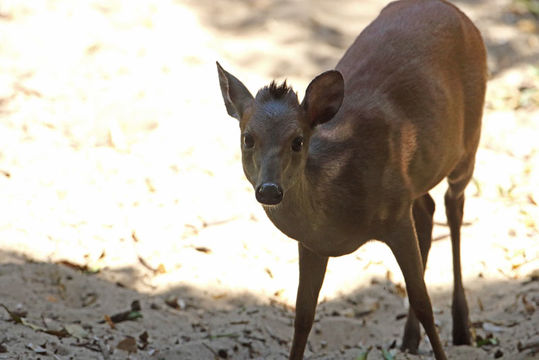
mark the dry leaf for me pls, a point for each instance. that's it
(132, 314)
(89, 299)
(176, 303)
(400, 290)
(116, 137)
(281, 304)
(161, 269)
(528, 306)
(76, 330)
(368, 310)
(37, 349)
(219, 296)
(74, 266)
(530, 222)
(401, 316)
(62, 333)
(109, 321)
(144, 337)
(149, 185)
(203, 249)
(128, 344)
(189, 230)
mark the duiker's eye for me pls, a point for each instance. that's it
(248, 141)
(297, 143)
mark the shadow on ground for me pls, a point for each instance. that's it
(319, 32)
(239, 326)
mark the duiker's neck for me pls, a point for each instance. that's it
(319, 213)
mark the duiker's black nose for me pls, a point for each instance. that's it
(269, 194)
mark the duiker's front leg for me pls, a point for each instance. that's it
(403, 243)
(423, 210)
(312, 268)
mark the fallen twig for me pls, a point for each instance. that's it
(440, 237)
(88, 345)
(206, 224)
(209, 348)
(528, 345)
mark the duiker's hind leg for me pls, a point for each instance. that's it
(423, 210)
(454, 209)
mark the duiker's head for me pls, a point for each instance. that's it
(276, 128)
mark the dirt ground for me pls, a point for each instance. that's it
(121, 189)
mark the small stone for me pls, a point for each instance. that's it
(223, 354)
(349, 313)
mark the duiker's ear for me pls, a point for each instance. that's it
(323, 97)
(237, 97)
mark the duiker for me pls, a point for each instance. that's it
(355, 160)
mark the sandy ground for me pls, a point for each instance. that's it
(120, 180)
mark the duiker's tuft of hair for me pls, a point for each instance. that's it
(277, 92)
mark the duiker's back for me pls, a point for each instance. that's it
(416, 78)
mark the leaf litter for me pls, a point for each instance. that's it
(129, 315)
(60, 333)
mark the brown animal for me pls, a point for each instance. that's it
(355, 160)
